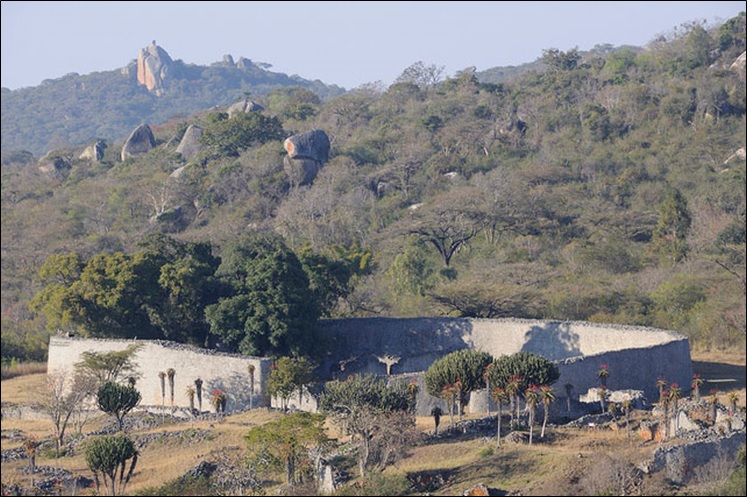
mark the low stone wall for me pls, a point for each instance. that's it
(227, 372)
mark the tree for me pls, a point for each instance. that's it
(251, 370)
(289, 375)
(64, 395)
(696, 384)
(448, 223)
(109, 366)
(500, 396)
(516, 372)
(675, 394)
(547, 396)
(661, 384)
(228, 137)
(270, 310)
(603, 374)
(170, 373)
(287, 441)
(626, 405)
(107, 456)
(198, 391)
(362, 405)
(465, 367)
(117, 400)
(532, 398)
(673, 226)
(422, 75)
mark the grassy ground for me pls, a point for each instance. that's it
(568, 461)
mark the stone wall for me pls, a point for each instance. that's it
(635, 356)
(227, 372)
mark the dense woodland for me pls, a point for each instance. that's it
(597, 186)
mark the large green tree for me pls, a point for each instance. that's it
(464, 368)
(270, 310)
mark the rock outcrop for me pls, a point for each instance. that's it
(307, 153)
(94, 151)
(139, 142)
(190, 144)
(55, 165)
(245, 105)
(153, 68)
(739, 64)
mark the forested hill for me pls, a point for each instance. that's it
(606, 186)
(76, 109)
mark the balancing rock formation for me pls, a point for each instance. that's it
(307, 153)
(153, 68)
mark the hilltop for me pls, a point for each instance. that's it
(152, 88)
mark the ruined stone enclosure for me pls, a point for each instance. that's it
(635, 356)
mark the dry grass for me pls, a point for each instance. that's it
(21, 369)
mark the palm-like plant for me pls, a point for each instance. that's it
(696, 384)
(733, 396)
(162, 377)
(661, 384)
(664, 404)
(513, 389)
(532, 398)
(198, 389)
(547, 396)
(251, 369)
(500, 396)
(675, 394)
(603, 374)
(626, 404)
(713, 402)
(486, 376)
(170, 373)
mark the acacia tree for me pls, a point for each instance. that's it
(448, 223)
(464, 368)
(107, 456)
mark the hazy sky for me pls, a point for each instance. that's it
(343, 43)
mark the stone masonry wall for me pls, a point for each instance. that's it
(226, 372)
(635, 356)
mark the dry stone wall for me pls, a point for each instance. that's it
(635, 356)
(227, 372)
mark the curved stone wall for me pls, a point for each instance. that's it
(635, 356)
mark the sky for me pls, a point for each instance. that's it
(344, 43)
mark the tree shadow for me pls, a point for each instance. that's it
(555, 341)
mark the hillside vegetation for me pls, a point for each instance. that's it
(603, 186)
